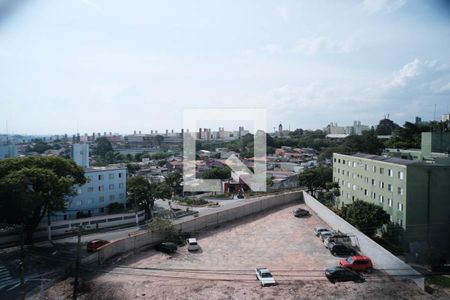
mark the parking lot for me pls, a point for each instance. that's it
(224, 267)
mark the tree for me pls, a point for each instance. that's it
(102, 146)
(174, 180)
(386, 127)
(316, 178)
(368, 142)
(217, 173)
(32, 187)
(365, 216)
(143, 194)
(133, 168)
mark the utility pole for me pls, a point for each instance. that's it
(77, 262)
(22, 265)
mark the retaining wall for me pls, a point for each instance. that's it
(381, 258)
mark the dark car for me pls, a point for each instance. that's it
(300, 212)
(167, 247)
(93, 245)
(339, 273)
(340, 249)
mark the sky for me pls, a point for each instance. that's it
(107, 65)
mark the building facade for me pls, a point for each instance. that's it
(415, 194)
(105, 185)
(8, 151)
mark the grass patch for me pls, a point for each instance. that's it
(439, 280)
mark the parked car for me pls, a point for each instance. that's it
(338, 238)
(192, 244)
(339, 273)
(264, 276)
(340, 249)
(300, 212)
(318, 230)
(324, 233)
(93, 245)
(167, 247)
(358, 263)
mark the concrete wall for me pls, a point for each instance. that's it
(209, 220)
(381, 258)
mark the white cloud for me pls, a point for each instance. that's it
(272, 48)
(319, 44)
(388, 6)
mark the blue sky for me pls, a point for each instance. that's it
(106, 65)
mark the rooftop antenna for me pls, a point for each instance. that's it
(434, 117)
(7, 133)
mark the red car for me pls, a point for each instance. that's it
(93, 245)
(358, 263)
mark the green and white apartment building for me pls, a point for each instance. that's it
(415, 193)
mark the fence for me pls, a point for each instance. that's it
(59, 228)
(381, 258)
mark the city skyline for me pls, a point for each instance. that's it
(75, 66)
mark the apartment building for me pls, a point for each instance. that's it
(105, 185)
(415, 194)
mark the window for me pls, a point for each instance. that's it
(89, 178)
(354, 164)
(390, 202)
(120, 175)
(121, 195)
(90, 189)
(354, 187)
(365, 167)
(354, 175)
(111, 197)
(339, 160)
(334, 159)
(101, 199)
(374, 196)
(400, 175)
(349, 163)
(400, 222)
(391, 218)
(400, 191)
(366, 179)
(373, 181)
(381, 199)
(111, 186)
(390, 172)
(121, 185)
(400, 206)
(348, 174)
(78, 191)
(339, 171)
(381, 170)
(90, 201)
(365, 192)
(389, 187)
(348, 184)
(100, 177)
(381, 184)
(111, 176)
(101, 188)
(374, 169)
(343, 161)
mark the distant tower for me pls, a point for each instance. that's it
(280, 129)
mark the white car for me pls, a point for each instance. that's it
(264, 276)
(192, 244)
